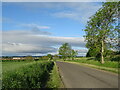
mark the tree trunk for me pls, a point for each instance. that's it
(102, 53)
(72, 57)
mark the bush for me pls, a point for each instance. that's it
(116, 58)
(30, 76)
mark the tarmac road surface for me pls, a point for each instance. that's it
(77, 76)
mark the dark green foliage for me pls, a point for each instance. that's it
(101, 30)
(117, 53)
(88, 54)
(29, 76)
(67, 52)
(50, 56)
(115, 58)
(92, 52)
(98, 56)
(73, 54)
(112, 55)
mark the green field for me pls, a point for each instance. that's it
(34, 74)
(11, 66)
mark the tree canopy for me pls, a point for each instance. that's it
(101, 31)
(67, 52)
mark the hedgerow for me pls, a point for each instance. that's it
(30, 76)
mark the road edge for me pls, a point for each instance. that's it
(95, 67)
(58, 70)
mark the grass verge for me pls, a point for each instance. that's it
(108, 66)
(55, 80)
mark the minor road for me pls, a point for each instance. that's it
(77, 76)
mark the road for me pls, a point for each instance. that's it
(77, 76)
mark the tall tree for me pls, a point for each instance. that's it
(100, 29)
(50, 56)
(73, 54)
(65, 51)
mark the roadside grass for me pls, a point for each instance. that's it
(55, 80)
(108, 65)
(31, 75)
(111, 64)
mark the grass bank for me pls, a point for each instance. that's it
(108, 65)
(55, 80)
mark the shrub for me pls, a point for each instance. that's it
(30, 76)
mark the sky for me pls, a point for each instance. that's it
(39, 28)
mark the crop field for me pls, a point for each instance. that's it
(11, 66)
(26, 74)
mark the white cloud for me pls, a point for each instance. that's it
(81, 54)
(24, 42)
(26, 48)
(66, 15)
(78, 11)
(17, 33)
(32, 25)
(19, 36)
(82, 50)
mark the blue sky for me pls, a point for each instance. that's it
(40, 28)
